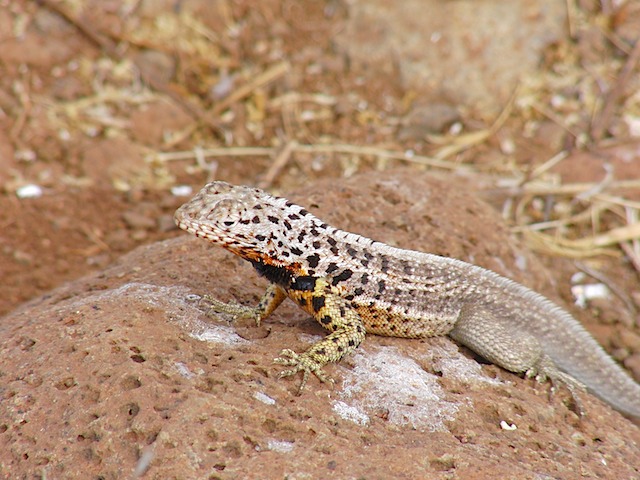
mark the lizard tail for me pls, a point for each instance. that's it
(577, 353)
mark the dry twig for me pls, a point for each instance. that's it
(603, 120)
(339, 148)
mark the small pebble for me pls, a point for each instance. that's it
(29, 191)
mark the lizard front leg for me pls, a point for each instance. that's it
(324, 302)
(272, 298)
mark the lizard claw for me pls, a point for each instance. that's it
(302, 362)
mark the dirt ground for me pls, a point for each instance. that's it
(109, 106)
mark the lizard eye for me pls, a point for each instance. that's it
(228, 223)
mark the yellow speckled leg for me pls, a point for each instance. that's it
(336, 315)
(272, 298)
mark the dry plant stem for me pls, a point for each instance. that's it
(22, 92)
(266, 77)
(216, 152)
(315, 148)
(555, 118)
(633, 256)
(574, 220)
(603, 120)
(584, 247)
(463, 142)
(109, 47)
(539, 189)
(278, 164)
(548, 165)
(602, 278)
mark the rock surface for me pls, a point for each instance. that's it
(121, 374)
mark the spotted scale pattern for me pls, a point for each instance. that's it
(350, 283)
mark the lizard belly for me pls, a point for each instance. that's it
(390, 322)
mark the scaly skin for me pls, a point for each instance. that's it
(352, 285)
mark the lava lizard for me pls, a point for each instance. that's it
(353, 285)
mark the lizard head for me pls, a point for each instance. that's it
(246, 221)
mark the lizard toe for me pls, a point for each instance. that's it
(304, 363)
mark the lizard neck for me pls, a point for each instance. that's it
(279, 275)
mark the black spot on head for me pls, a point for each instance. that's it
(351, 343)
(364, 262)
(261, 238)
(323, 226)
(349, 297)
(287, 224)
(293, 216)
(314, 232)
(334, 250)
(296, 251)
(326, 320)
(321, 351)
(316, 244)
(301, 235)
(245, 222)
(365, 279)
(302, 301)
(332, 267)
(352, 252)
(303, 212)
(289, 203)
(332, 241)
(273, 219)
(313, 260)
(257, 207)
(368, 256)
(381, 286)
(358, 291)
(256, 219)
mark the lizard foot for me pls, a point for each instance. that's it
(545, 370)
(303, 362)
(239, 311)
